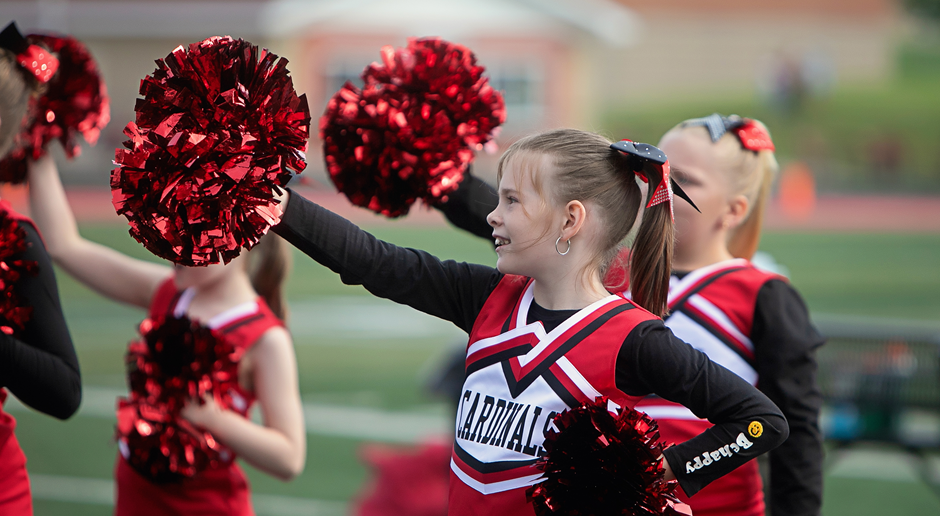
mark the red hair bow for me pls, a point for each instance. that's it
(37, 61)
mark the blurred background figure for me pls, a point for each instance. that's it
(854, 219)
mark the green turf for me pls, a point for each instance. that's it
(886, 275)
(893, 275)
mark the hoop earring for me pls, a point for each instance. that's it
(566, 250)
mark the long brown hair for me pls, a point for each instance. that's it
(15, 90)
(588, 170)
(268, 265)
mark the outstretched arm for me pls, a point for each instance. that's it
(468, 206)
(108, 272)
(39, 365)
(280, 446)
(453, 291)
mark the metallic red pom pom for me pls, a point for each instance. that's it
(13, 314)
(600, 463)
(175, 360)
(411, 131)
(75, 102)
(219, 128)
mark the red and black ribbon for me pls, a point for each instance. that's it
(752, 135)
(643, 154)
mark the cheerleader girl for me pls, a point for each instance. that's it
(223, 297)
(545, 335)
(750, 321)
(37, 362)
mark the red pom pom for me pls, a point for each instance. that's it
(74, 102)
(600, 464)
(410, 132)
(219, 128)
(176, 360)
(13, 314)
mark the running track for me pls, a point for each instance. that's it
(831, 213)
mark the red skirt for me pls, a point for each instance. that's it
(14, 484)
(216, 492)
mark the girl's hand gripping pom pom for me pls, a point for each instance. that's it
(176, 363)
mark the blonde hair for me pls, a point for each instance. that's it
(749, 173)
(588, 170)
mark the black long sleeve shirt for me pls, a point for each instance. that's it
(785, 343)
(651, 359)
(39, 364)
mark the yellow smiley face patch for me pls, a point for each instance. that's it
(755, 429)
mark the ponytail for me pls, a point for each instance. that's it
(746, 237)
(268, 265)
(651, 258)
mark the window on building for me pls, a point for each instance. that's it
(522, 85)
(343, 69)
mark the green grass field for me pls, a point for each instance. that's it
(353, 362)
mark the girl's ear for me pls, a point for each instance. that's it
(575, 213)
(737, 212)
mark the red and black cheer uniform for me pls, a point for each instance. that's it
(525, 363)
(38, 365)
(221, 491)
(753, 323)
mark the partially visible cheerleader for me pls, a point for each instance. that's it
(37, 360)
(242, 300)
(751, 321)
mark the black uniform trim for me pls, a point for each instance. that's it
(496, 358)
(490, 467)
(679, 303)
(516, 387)
(238, 324)
(718, 334)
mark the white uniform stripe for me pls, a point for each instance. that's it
(481, 344)
(720, 318)
(669, 412)
(563, 327)
(703, 340)
(183, 302)
(680, 287)
(524, 305)
(577, 378)
(236, 312)
(495, 487)
(219, 319)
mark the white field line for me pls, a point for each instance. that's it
(101, 492)
(352, 422)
